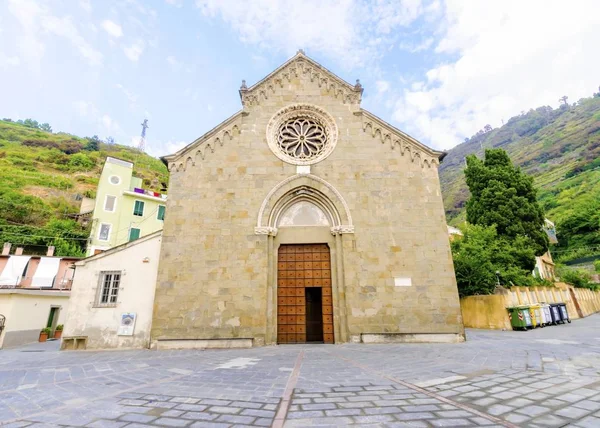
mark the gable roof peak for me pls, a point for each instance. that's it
(298, 65)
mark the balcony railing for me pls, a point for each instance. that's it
(24, 283)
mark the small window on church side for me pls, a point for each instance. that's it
(108, 289)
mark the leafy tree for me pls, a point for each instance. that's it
(46, 127)
(480, 253)
(502, 195)
(473, 255)
(93, 144)
(563, 100)
(110, 140)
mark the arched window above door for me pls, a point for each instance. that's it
(303, 213)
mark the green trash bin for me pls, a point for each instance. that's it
(520, 318)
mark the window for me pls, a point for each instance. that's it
(109, 203)
(108, 288)
(161, 212)
(134, 233)
(115, 179)
(138, 208)
(104, 233)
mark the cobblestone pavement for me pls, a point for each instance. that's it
(542, 378)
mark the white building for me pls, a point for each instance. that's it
(112, 297)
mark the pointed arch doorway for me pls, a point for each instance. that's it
(305, 219)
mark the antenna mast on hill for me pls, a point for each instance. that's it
(142, 143)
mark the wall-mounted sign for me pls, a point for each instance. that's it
(402, 282)
(127, 324)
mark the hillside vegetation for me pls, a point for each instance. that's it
(560, 148)
(43, 177)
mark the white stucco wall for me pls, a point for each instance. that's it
(27, 312)
(138, 261)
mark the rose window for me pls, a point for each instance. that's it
(302, 134)
(302, 138)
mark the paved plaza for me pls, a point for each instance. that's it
(547, 377)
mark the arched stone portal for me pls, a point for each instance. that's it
(304, 217)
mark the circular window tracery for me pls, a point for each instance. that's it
(302, 134)
(302, 138)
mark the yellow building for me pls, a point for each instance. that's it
(123, 211)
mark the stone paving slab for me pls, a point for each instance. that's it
(542, 378)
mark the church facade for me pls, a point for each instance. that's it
(304, 218)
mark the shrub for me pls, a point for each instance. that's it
(80, 162)
(576, 277)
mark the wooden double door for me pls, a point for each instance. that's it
(304, 302)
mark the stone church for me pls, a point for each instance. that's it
(304, 218)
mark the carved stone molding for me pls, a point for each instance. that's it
(207, 143)
(338, 195)
(265, 230)
(301, 66)
(387, 134)
(338, 230)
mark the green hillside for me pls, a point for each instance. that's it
(43, 177)
(560, 148)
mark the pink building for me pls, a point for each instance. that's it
(35, 272)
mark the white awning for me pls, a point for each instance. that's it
(46, 272)
(13, 271)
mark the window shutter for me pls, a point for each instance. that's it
(134, 233)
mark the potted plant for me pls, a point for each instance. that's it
(44, 334)
(58, 331)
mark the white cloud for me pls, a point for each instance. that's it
(85, 108)
(8, 61)
(112, 28)
(134, 51)
(27, 13)
(131, 97)
(510, 56)
(175, 65)
(353, 31)
(35, 20)
(382, 86)
(66, 28)
(86, 5)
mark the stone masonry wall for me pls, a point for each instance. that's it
(212, 277)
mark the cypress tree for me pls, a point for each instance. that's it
(504, 196)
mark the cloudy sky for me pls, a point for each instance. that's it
(438, 69)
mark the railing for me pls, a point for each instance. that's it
(24, 282)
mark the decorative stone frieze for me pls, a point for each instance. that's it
(301, 66)
(387, 134)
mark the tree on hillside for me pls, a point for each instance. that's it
(93, 144)
(563, 100)
(110, 140)
(504, 196)
(46, 127)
